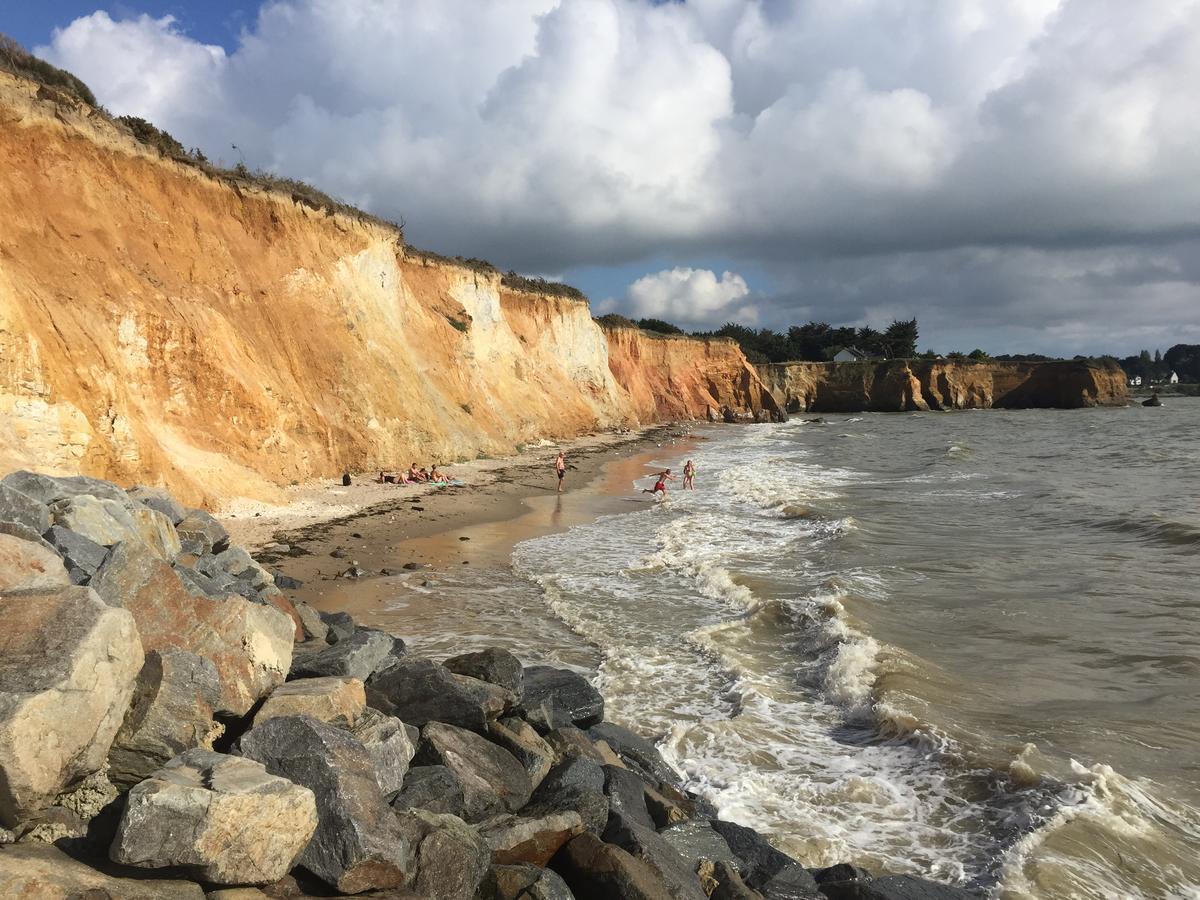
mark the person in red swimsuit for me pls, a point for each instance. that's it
(660, 484)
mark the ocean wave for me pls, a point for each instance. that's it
(1154, 528)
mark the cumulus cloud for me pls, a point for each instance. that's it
(874, 138)
(692, 296)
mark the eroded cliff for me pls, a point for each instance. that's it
(900, 385)
(159, 325)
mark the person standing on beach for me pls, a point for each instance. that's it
(560, 468)
(689, 476)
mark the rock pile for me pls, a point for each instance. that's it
(171, 724)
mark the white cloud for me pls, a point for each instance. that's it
(686, 295)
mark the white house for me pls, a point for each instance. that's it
(849, 354)
(1174, 379)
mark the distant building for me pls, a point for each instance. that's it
(849, 354)
(1174, 379)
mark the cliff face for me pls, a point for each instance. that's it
(158, 325)
(899, 385)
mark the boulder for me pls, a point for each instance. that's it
(520, 739)
(106, 522)
(492, 778)
(158, 499)
(668, 807)
(67, 668)
(571, 741)
(272, 596)
(433, 788)
(250, 644)
(22, 509)
(893, 887)
(573, 773)
(333, 700)
(287, 582)
(174, 701)
(80, 556)
(312, 623)
(729, 884)
(529, 839)
(450, 858)
(355, 656)
(759, 863)
(200, 534)
(524, 882)
(47, 489)
(626, 794)
(28, 566)
(696, 840)
(340, 625)
(222, 818)
(594, 870)
(636, 751)
(492, 665)
(420, 691)
(390, 746)
(551, 694)
(678, 873)
(43, 872)
(156, 530)
(357, 845)
(200, 585)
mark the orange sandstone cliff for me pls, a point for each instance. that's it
(160, 325)
(918, 384)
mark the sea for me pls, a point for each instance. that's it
(962, 645)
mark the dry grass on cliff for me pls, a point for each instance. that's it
(18, 61)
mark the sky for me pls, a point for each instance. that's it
(1019, 175)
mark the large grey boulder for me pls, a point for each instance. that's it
(594, 870)
(356, 656)
(22, 509)
(250, 644)
(493, 665)
(25, 565)
(334, 700)
(357, 845)
(391, 748)
(156, 530)
(524, 882)
(520, 739)
(573, 773)
(339, 625)
(200, 534)
(106, 522)
(676, 872)
(532, 839)
(554, 697)
(36, 871)
(636, 751)
(158, 499)
(172, 711)
(81, 557)
(761, 864)
(626, 794)
(893, 887)
(432, 788)
(420, 691)
(493, 780)
(314, 626)
(222, 818)
(67, 668)
(47, 489)
(450, 857)
(696, 840)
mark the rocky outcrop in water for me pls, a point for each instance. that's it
(146, 727)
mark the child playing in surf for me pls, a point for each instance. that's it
(689, 476)
(661, 484)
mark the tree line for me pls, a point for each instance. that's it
(1182, 359)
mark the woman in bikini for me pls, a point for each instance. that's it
(689, 476)
(660, 484)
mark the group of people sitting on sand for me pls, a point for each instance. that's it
(432, 475)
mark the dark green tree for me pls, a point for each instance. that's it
(900, 339)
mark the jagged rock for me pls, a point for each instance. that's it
(893, 887)
(696, 840)
(665, 810)
(67, 669)
(433, 788)
(450, 857)
(28, 566)
(608, 756)
(841, 872)
(250, 644)
(391, 748)
(492, 665)
(728, 416)
(637, 752)
(50, 825)
(529, 839)
(626, 794)
(592, 807)
(594, 870)
(105, 522)
(287, 582)
(761, 864)
(334, 700)
(520, 739)
(201, 534)
(157, 531)
(88, 798)
(524, 883)
(44, 872)
(678, 873)
(174, 701)
(80, 556)
(493, 780)
(729, 884)
(22, 509)
(222, 818)
(13, 529)
(272, 596)
(357, 845)
(420, 691)
(158, 499)
(310, 620)
(200, 585)
(572, 741)
(355, 656)
(556, 697)
(47, 489)
(340, 625)
(573, 773)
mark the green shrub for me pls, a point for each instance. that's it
(152, 136)
(541, 286)
(660, 326)
(612, 320)
(16, 59)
